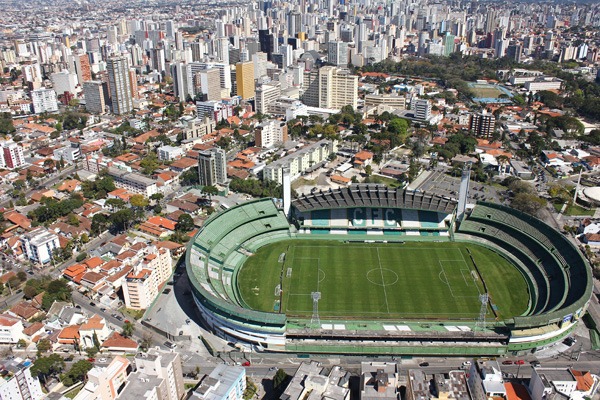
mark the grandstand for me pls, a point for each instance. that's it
(558, 278)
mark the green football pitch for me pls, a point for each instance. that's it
(409, 280)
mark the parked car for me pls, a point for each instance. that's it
(520, 362)
(246, 364)
(507, 362)
(424, 364)
(102, 360)
(535, 363)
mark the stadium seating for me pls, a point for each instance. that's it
(224, 238)
(373, 195)
(562, 285)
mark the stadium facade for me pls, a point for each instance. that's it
(558, 276)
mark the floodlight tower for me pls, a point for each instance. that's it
(316, 296)
(480, 325)
(463, 193)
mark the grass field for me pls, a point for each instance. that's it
(487, 91)
(356, 280)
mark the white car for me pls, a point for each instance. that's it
(102, 360)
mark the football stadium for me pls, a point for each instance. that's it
(371, 270)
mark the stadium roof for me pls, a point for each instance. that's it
(374, 195)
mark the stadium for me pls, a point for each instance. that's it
(372, 270)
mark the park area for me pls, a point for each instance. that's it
(411, 280)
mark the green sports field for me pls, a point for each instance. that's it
(412, 280)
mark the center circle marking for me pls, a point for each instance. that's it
(382, 277)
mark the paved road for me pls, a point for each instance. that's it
(47, 183)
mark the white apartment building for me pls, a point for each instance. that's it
(162, 365)
(288, 107)
(421, 109)
(270, 132)
(64, 81)
(265, 95)
(223, 383)
(300, 161)
(142, 285)
(103, 383)
(18, 383)
(132, 182)
(330, 87)
(197, 128)
(11, 155)
(11, 329)
(169, 153)
(44, 100)
(544, 83)
(564, 382)
(67, 153)
(39, 244)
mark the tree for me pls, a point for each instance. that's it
(81, 256)
(21, 343)
(210, 191)
(99, 223)
(279, 378)
(22, 276)
(77, 373)
(146, 341)
(122, 220)
(529, 203)
(43, 345)
(185, 223)
(6, 124)
(91, 351)
(149, 163)
(47, 366)
(139, 201)
(190, 177)
(128, 329)
(157, 197)
(95, 340)
(115, 203)
(368, 170)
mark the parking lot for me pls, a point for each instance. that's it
(438, 182)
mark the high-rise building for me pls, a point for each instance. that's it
(334, 88)
(39, 244)
(142, 284)
(337, 53)
(421, 109)
(83, 68)
(44, 100)
(18, 383)
(159, 364)
(265, 95)
(95, 102)
(224, 382)
(11, 156)
(182, 88)
(482, 124)
(207, 81)
(267, 42)
(212, 167)
(270, 132)
(119, 85)
(104, 383)
(244, 77)
(448, 44)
